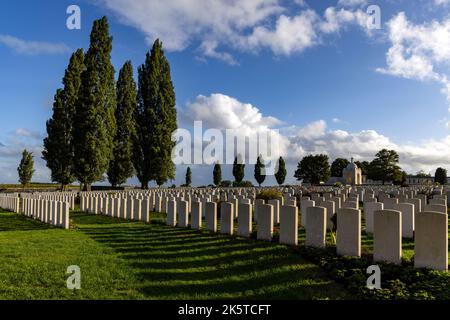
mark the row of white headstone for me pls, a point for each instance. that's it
(51, 212)
(68, 196)
(135, 205)
(242, 212)
(10, 202)
(431, 233)
(188, 209)
(389, 222)
(118, 206)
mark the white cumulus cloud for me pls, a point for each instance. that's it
(419, 51)
(248, 26)
(291, 34)
(222, 112)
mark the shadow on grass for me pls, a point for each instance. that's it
(185, 263)
(16, 222)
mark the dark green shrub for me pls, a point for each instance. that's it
(243, 184)
(269, 194)
(397, 282)
(226, 184)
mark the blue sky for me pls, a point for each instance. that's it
(334, 85)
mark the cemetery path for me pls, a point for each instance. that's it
(133, 260)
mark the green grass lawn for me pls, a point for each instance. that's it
(133, 260)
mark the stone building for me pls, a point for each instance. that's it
(352, 174)
(419, 180)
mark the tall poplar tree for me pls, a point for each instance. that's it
(217, 174)
(26, 168)
(121, 166)
(94, 122)
(188, 177)
(260, 175)
(280, 171)
(58, 145)
(238, 169)
(156, 120)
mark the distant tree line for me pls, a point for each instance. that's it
(384, 167)
(100, 126)
(316, 169)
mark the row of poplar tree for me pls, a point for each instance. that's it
(239, 173)
(119, 128)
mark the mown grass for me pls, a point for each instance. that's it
(133, 260)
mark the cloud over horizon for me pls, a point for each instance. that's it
(221, 112)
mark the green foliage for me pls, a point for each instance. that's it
(58, 145)
(26, 168)
(94, 122)
(364, 166)
(313, 169)
(269, 194)
(217, 174)
(280, 171)
(400, 178)
(338, 166)
(34, 262)
(188, 177)
(226, 184)
(337, 185)
(385, 166)
(243, 184)
(156, 119)
(422, 174)
(260, 170)
(121, 166)
(440, 176)
(238, 169)
(397, 282)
